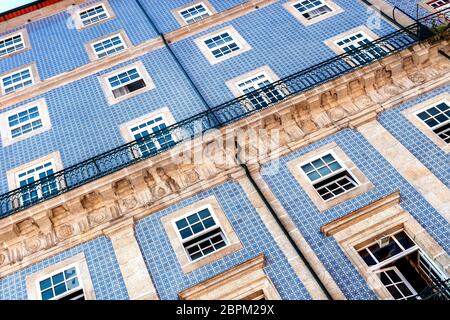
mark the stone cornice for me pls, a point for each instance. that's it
(344, 222)
(158, 182)
(239, 272)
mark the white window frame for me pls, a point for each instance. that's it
(29, 68)
(235, 36)
(290, 7)
(411, 115)
(143, 75)
(49, 275)
(23, 41)
(324, 4)
(81, 21)
(192, 6)
(6, 130)
(36, 176)
(431, 129)
(344, 168)
(155, 140)
(266, 76)
(402, 278)
(427, 4)
(218, 226)
(122, 40)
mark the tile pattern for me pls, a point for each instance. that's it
(50, 39)
(84, 125)
(103, 268)
(410, 7)
(255, 238)
(309, 220)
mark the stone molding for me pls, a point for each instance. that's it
(139, 190)
(236, 283)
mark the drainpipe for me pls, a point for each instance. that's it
(277, 219)
(150, 20)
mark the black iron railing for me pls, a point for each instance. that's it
(157, 142)
(436, 291)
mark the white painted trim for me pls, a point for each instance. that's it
(5, 131)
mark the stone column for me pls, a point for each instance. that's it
(422, 179)
(132, 266)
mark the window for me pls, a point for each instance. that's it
(65, 280)
(262, 98)
(47, 183)
(222, 45)
(126, 82)
(24, 122)
(93, 15)
(62, 285)
(150, 143)
(356, 40)
(200, 234)
(311, 9)
(329, 177)
(309, 12)
(437, 118)
(11, 44)
(17, 80)
(195, 13)
(109, 46)
(401, 265)
(439, 4)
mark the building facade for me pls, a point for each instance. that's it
(225, 149)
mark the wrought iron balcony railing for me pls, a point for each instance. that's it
(157, 142)
(436, 291)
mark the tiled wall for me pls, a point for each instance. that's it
(255, 238)
(431, 155)
(308, 219)
(56, 47)
(84, 125)
(103, 269)
(160, 10)
(277, 39)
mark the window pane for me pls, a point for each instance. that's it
(44, 284)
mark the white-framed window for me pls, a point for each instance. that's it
(200, 233)
(93, 14)
(64, 284)
(437, 118)
(109, 46)
(311, 9)
(439, 4)
(222, 45)
(150, 143)
(263, 98)
(11, 43)
(401, 265)
(126, 82)
(16, 80)
(351, 42)
(24, 122)
(329, 177)
(34, 192)
(195, 13)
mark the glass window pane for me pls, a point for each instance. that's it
(44, 284)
